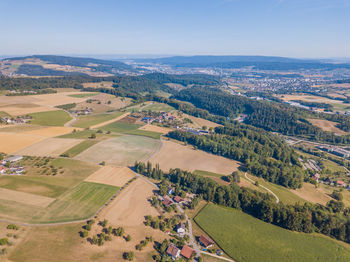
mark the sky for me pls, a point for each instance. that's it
(291, 28)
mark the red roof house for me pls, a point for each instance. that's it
(173, 251)
(186, 252)
(167, 201)
(178, 199)
(206, 242)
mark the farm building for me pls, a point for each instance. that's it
(178, 199)
(173, 251)
(186, 252)
(13, 159)
(167, 201)
(206, 242)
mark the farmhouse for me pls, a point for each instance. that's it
(167, 201)
(173, 251)
(178, 199)
(186, 252)
(206, 242)
(2, 170)
(341, 183)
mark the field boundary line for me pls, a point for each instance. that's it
(110, 121)
(268, 190)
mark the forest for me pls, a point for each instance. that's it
(261, 153)
(331, 220)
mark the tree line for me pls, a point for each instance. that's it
(331, 220)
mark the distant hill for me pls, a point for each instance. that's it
(52, 65)
(258, 62)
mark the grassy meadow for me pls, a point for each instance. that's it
(83, 95)
(91, 120)
(132, 129)
(75, 150)
(238, 234)
(50, 118)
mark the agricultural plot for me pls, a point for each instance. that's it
(132, 129)
(326, 125)
(131, 206)
(120, 151)
(175, 155)
(49, 147)
(50, 131)
(312, 194)
(50, 118)
(24, 109)
(102, 84)
(110, 175)
(154, 128)
(86, 134)
(52, 100)
(77, 149)
(94, 120)
(13, 142)
(80, 202)
(157, 107)
(25, 198)
(238, 234)
(83, 95)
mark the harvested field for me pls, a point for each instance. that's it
(25, 198)
(49, 147)
(327, 126)
(102, 84)
(112, 101)
(24, 109)
(312, 194)
(173, 155)
(52, 100)
(110, 175)
(120, 151)
(154, 128)
(201, 122)
(131, 206)
(51, 131)
(12, 142)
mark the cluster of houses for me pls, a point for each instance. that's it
(16, 121)
(335, 151)
(85, 111)
(159, 119)
(328, 181)
(9, 167)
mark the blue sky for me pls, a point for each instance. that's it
(293, 28)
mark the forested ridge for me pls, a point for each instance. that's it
(332, 220)
(270, 116)
(263, 155)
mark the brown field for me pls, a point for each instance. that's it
(49, 147)
(116, 102)
(344, 85)
(312, 194)
(52, 100)
(51, 131)
(109, 121)
(201, 122)
(103, 84)
(25, 198)
(327, 126)
(131, 206)
(110, 175)
(173, 155)
(309, 98)
(336, 95)
(154, 128)
(24, 109)
(11, 142)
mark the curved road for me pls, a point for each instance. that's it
(268, 190)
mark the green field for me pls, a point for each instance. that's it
(158, 107)
(83, 95)
(86, 134)
(207, 173)
(81, 202)
(238, 234)
(132, 129)
(75, 150)
(91, 120)
(50, 118)
(67, 106)
(3, 114)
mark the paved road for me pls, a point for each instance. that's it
(268, 190)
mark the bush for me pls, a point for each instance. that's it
(4, 241)
(12, 226)
(128, 256)
(128, 238)
(337, 195)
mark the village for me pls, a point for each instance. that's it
(9, 166)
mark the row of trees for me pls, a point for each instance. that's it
(332, 220)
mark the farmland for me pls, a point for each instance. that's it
(120, 151)
(238, 233)
(91, 120)
(110, 175)
(50, 118)
(83, 95)
(128, 128)
(77, 149)
(175, 155)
